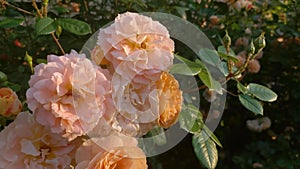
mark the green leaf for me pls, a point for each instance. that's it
(210, 56)
(3, 77)
(241, 88)
(181, 11)
(45, 26)
(190, 119)
(158, 136)
(222, 49)
(184, 69)
(251, 104)
(61, 9)
(261, 92)
(204, 74)
(184, 60)
(11, 22)
(208, 80)
(211, 135)
(228, 57)
(15, 87)
(41, 61)
(224, 68)
(74, 26)
(28, 59)
(206, 150)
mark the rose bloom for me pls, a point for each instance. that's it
(9, 103)
(68, 94)
(258, 125)
(259, 55)
(242, 41)
(140, 107)
(214, 20)
(241, 61)
(98, 56)
(26, 144)
(113, 152)
(134, 43)
(241, 4)
(253, 66)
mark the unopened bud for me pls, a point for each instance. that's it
(227, 40)
(45, 2)
(28, 59)
(260, 42)
(251, 48)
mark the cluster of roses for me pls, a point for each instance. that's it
(87, 114)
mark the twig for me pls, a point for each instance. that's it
(195, 89)
(86, 5)
(36, 8)
(58, 44)
(229, 92)
(19, 9)
(45, 8)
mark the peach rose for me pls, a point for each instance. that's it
(258, 125)
(110, 153)
(134, 43)
(170, 100)
(9, 103)
(68, 94)
(26, 144)
(259, 55)
(241, 61)
(253, 66)
(214, 20)
(242, 41)
(243, 54)
(241, 4)
(98, 56)
(140, 106)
